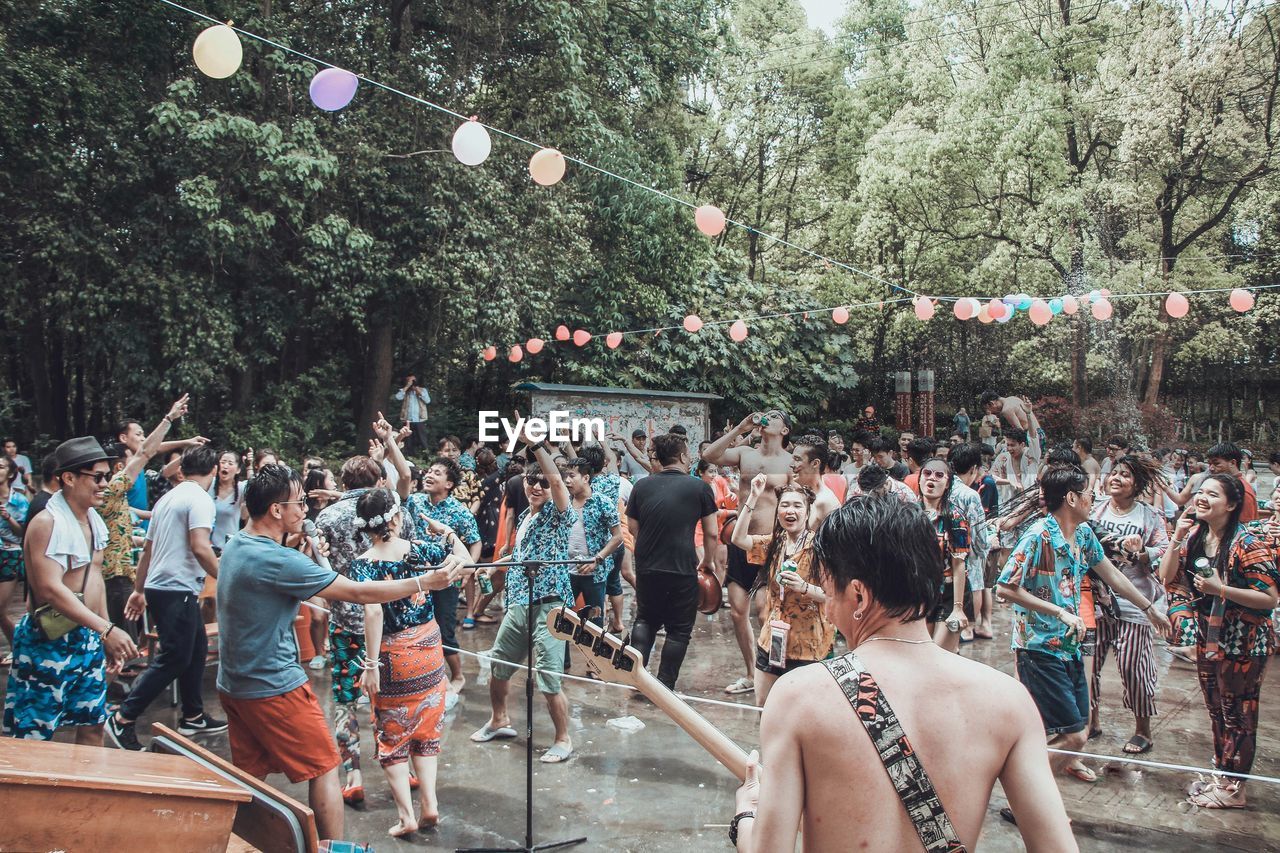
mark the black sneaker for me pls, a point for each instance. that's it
(202, 725)
(123, 735)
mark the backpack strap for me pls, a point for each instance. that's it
(909, 779)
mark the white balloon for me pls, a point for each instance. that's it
(1006, 316)
(471, 143)
(217, 51)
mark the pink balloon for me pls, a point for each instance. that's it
(581, 337)
(924, 308)
(332, 88)
(534, 345)
(692, 323)
(613, 339)
(1070, 304)
(984, 315)
(840, 315)
(962, 309)
(546, 166)
(1101, 309)
(1039, 312)
(562, 332)
(1106, 292)
(709, 219)
(1176, 304)
(490, 353)
(738, 331)
(997, 309)
(516, 354)
(1241, 299)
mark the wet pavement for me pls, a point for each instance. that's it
(655, 790)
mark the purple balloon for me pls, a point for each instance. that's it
(332, 89)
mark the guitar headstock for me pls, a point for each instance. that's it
(606, 655)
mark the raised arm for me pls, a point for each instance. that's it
(742, 525)
(387, 435)
(151, 444)
(721, 451)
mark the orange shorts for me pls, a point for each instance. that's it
(280, 734)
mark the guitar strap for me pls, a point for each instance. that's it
(913, 785)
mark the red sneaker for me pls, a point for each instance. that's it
(353, 794)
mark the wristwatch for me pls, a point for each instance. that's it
(733, 825)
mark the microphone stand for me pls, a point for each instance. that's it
(531, 569)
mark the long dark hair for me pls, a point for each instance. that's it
(1234, 492)
(235, 478)
(779, 535)
(944, 502)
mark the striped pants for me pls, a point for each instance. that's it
(1135, 656)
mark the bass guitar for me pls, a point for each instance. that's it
(614, 661)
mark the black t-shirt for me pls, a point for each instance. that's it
(668, 505)
(899, 471)
(37, 504)
(517, 501)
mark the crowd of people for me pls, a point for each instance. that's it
(819, 540)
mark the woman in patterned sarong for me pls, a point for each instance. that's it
(407, 684)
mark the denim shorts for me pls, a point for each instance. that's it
(1059, 689)
(613, 581)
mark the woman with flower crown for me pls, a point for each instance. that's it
(406, 685)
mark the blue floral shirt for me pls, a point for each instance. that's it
(1058, 584)
(449, 512)
(598, 518)
(607, 486)
(403, 612)
(545, 538)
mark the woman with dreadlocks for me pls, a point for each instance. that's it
(796, 631)
(1133, 537)
(948, 618)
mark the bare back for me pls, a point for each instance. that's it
(1014, 411)
(966, 722)
(777, 467)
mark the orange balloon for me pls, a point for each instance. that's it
(692, 323)
(738, 331)
(516, 354)
(1039, 312)
(534, 345)
(1177, 305)
(613, 339)
(709, 219)
(996, 309)
(546, 166)
(1101, 309)
(581, 337)
(984, 315)
(490, 353)
(840, 315)
(1241, 299)
(924, 308)
(1070, 304)
(562, 332)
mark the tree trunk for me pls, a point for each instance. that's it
(1160, 344)
(47, 419)
(377, 378)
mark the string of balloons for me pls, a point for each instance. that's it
(218, 53)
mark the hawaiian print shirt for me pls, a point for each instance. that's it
(545, 538)
(812, 637)
(952, 529)
(599, 516)
(606, 485)
(1245, 632)
(17, 506)
(337, 522)
(1058, 584)
(117, 561)
(468, 490)
(402, 613)
(965, 502)
(450, 512)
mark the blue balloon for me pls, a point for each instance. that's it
(1024, 301)
(1055, 305)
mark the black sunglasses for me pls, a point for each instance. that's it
(98, 477)
(538, 481)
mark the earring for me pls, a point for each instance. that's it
(858, 615)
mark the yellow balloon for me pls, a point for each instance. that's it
(217, 51)
(546, 166)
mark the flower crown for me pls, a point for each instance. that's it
(380, 520)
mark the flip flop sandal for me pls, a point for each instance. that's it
(557, 754)
(486, 734)
(1084, 774)
(1213, 797)
(1143, 745)
(1095, 734)
(486, 620)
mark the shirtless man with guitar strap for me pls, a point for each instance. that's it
(893, 746)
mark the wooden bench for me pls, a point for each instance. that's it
(62, 796)
(268, 821)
